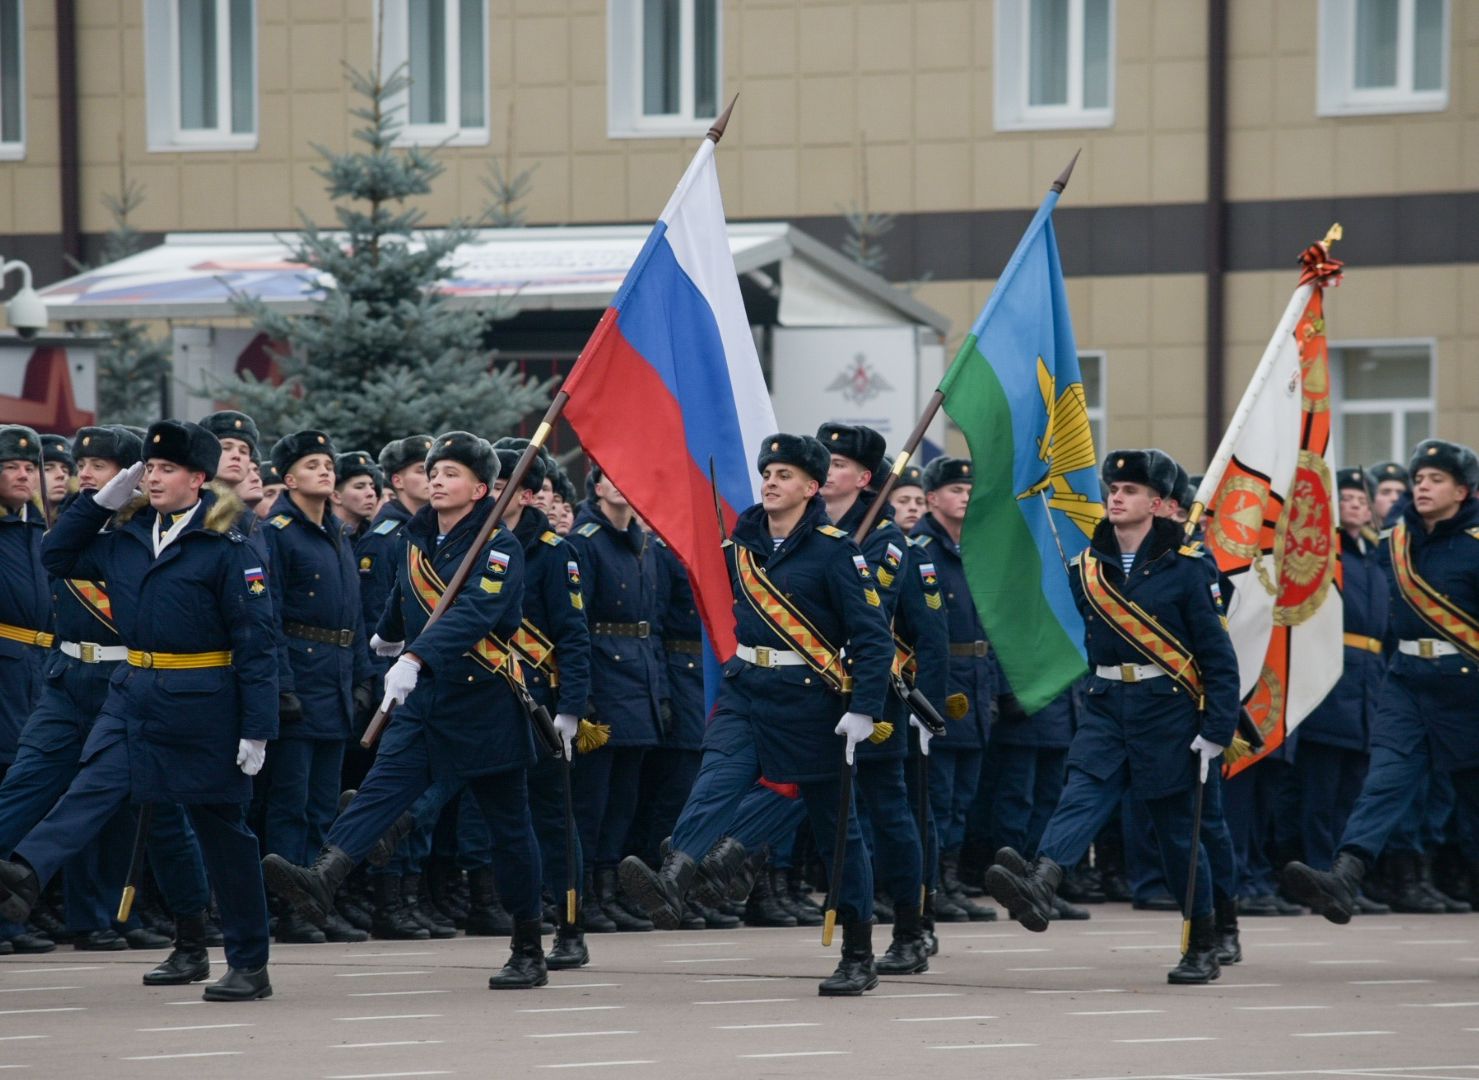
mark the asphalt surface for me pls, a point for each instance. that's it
(1391, 996)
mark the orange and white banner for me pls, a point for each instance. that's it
(1273, 515)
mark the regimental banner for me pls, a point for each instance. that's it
(1293, 565)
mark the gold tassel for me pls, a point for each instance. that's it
(882, 730)
(956, 706)
(589, 736)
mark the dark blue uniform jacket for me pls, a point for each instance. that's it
(682, 638)
(25, 602)
(554, 603)
(377, 553)
(204, 593)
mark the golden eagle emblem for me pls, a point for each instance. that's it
(1067, 445)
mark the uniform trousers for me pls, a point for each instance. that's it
(1020, 786)
(228, 847)
(607, 787)
(955, 777)
(721, 786)
(1250, 800)
(667, 777)
(302, 796)
(1328, 781)
(898, 860)
(1088, 802)
(395, 783)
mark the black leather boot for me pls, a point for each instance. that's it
(238, 985)
(883, 911)
(1408, 895)
(309, 889)
(338, 929)
(391, 920)
(423, 914)
(659, 895)
(569, 949)
(1028, 897)
(952, 886)
(294, 929)
(1199, 963)
(907, 953)
(693, 918)
(1450, 905)
(384, 849)
(1331, 893)
(1062, 909)
(927, 925)
(189, 962)
(764, 908)
(855, 972)
(525, 968)
(1225, 911)
(486, 916)
(721, 874)
(618, 912)
(19, 891)
(595, 918)
(788, 887)
(444, 887)
(717, 918)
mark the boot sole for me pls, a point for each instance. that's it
(256, 995)
(518, 986)
(570, 965)
(640, 884)
(1006, 891)
(1301, 883)
(176, 980)
(1174, 981)
(822, 991)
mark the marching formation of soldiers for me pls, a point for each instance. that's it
(197, 630)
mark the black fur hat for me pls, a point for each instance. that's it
(185, 444)
(270, 475)
(803, 451)
(230, 424)
(20, 443)
(290, 448)
(1183, 492)
(1389, 470)
(565, 487)
(354, 463)
(861, 444)
(948, 470)
(1356, 479)
(398, 454)
(467, 449)
(1457, 460)
(116, 444)
(1152, 468)
(508, 459)
(56, 448)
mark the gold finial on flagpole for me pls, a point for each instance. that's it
(1334, 234)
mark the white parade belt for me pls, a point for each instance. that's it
(1129, 672)
(1428, 648)
(90, 653)
(763, 656)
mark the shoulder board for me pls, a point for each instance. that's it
(1191, 551)
(883, 523)
(280, 521)
(923, 541)
(660, 541)
(235, 535)
(727, 543)
(1077, 559)
(550, 537)
(1474, 532)
(590, 528)
(830, 530)
(1386, 534)
(386, 527)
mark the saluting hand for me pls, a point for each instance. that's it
(117, 491)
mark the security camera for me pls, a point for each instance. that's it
(26, 313)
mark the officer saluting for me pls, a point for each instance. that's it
(459, 719)
(1165, 680)
(1425, 718)
(800, 595)
(190, 720)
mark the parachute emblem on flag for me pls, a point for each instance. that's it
(1067, 445)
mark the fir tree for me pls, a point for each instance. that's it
(131, 365)
(383, 354)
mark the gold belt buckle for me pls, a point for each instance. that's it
(1425, 648)
(763, 656)
(1130, 672)
(87, 652)
(146, 659)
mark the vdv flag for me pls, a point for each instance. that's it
(670, 381)
(1016, 393)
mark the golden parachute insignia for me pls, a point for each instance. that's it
(1066, 446)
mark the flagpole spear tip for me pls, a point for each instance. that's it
(1335, 233)
(717, 131)
(1062, 181)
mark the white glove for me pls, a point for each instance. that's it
(117, 491)
(250, 754)
(925, 735)
(856, 728)
(400, 680)
(385, 648)
(1209, 751)
(567, 726)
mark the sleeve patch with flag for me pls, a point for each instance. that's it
(256, 581)
(497, 562)
(892, 557)
(862, 565)
(928, 576)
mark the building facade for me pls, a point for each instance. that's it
(1219, 138)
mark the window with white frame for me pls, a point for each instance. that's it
(1383, 56)
(663, 67)
(1091, 371)
(442, 46)
(201, 77)
(12, 81)
(1384, 399)
(1054, 64)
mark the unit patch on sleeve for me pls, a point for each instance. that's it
(256, 581)
(497, 563)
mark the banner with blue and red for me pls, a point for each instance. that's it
(670, 381)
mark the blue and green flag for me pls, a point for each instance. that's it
(1015, 391)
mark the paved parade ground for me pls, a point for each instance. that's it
(1395, 997)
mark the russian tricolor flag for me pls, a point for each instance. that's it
(670, 380)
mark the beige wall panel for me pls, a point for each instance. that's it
(99, 64)
(1250, 164)
(543, 119)
(1468, 284)
(1003, 174)
(320, 117)
(828, 111)
(885, 107)
(890, 176)
(1178, 167)
(316, 52)
(885, 37)
(1300, 157)
(1051, 151)
(1294, 86)
(38, 200)
(1365, 159)
(942, 176)
(160, 180)
(1120, 172)
(549, 197)
(308, 194)
(1132, 30)
(90, 13)
(1177, 316)
(943, 36)
(263, 198)
(1179, 95)
(1250, 91)
(1296, 29)
(1178, 381)
(829, 182)
(273, 54)
(588, 49)
(542, 51)
(955, 299)
(1428, 301)
(768, 181)
(1429, 153)
(769, 40)
(766, 115)
(1365, 305)
(1121, 312)
(598, 186)
(827, 37)
(43, 146)
(7, 200)
(1132, 92)
(316, 11)
(1183, 438)
(208, 195)
(942, 105)
(131, 41)
(1179, 29)
(1458, 381)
